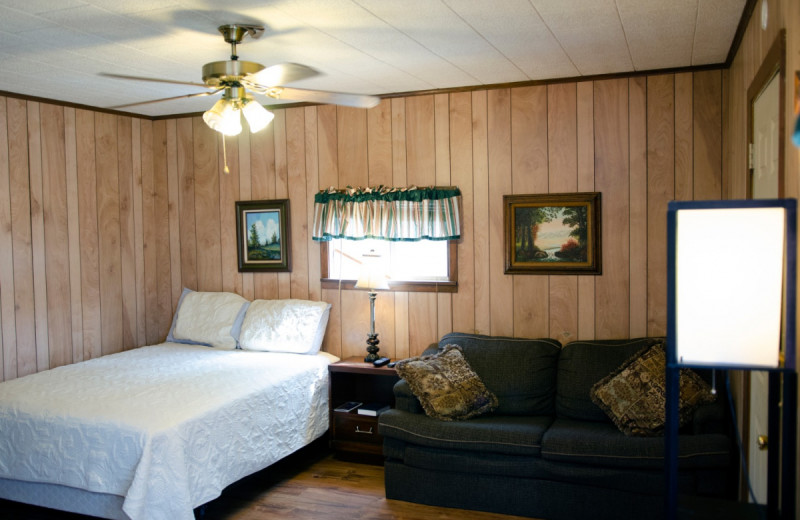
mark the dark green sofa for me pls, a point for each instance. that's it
(547, 451)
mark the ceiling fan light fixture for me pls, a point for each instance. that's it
(224, 117)
(257, 116)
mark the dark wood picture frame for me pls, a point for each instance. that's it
(265, 223)
(554, 233)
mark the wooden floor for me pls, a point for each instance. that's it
(308, 485)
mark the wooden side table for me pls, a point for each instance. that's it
(353, 435)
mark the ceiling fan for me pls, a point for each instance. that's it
(238, 80)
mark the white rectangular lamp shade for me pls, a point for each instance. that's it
(729, 286)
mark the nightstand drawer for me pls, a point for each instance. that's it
(357, 428)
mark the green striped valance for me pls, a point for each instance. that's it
(387, 213)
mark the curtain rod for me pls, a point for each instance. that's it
(382, 189)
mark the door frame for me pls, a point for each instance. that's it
(774, 64)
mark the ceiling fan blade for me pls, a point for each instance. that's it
(321, 96)
(281, 74)
(199, 94)
(156, 80)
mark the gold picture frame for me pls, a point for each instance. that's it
(555, 233)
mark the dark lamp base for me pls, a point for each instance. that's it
(372, 348)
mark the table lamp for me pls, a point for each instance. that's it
(372, 277)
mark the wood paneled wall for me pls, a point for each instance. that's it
(756, 42)
(104, 218)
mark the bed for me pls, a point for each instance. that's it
(154, 432)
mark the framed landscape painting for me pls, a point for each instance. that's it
(555, 233)
(262, 235)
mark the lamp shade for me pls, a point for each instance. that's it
(257, 116)
(373, 273)
(224, 117)
(732, 283)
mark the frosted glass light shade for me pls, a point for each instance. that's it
(257, 116)
(729, 280)
(224, 117)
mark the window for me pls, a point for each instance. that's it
(413, 230)
(424, 265)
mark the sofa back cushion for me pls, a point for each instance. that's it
(584, 363)
(520, 372)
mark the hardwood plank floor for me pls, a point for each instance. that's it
(307, 485)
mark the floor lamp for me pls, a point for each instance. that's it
(731, 274)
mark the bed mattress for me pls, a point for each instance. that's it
(166, 427)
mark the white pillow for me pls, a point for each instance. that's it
(295, 326)
(208, 318)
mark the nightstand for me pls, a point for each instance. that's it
(353, 435)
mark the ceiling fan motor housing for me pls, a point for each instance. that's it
(234, 32)
(223, 73)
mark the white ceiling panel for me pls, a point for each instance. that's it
(716, 27)
(590, 33)
(132, 6)
(450, 40)
(42, 6)
(58, 48)
(16, 21)
(101, 23)
(648, 24)
(520, 36)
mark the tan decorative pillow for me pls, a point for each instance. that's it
(634, 395)
(446, 386)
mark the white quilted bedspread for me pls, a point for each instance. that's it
(166, 426)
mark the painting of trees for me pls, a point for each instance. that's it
(528, 221)
(263, 242)
(559, 232)
(574, 249)
(253, 241)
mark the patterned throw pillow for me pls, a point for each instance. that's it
(446, 386)
(634, 395)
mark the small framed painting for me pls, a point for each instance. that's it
(555, 233)
(262, 235)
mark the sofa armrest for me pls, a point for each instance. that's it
(710, 418)
(404, 399)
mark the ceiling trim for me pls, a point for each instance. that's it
(744, 21)
(556, 81)
(72, 105)
(494, 86)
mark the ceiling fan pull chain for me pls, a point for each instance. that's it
(224, 155)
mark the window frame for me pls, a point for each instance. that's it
(449, 286)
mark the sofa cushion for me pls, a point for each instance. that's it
(446, 386)
(581, 364)
(452, 461)
(473, 462)
(513, 435)
(602, 444)
(634, 395)
(520, 372)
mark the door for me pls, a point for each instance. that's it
(765, 185)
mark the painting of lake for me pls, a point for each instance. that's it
(550, 234)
